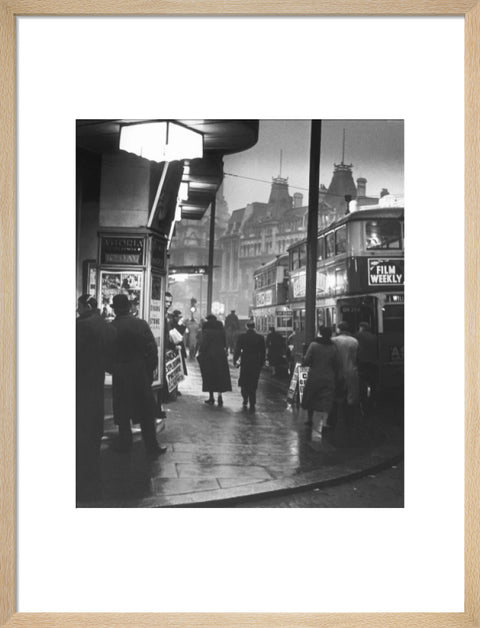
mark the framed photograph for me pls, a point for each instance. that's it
(116, 566)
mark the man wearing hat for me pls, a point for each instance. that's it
(250, 348)
(94, 342)
(135, 358)
(232, 327)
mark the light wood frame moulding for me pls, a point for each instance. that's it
(9, 11)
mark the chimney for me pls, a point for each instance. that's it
(384, 192)
(361, 187)
(297, 199)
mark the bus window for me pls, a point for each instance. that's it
(341, 240)
(393, 316)
(320, 317)
(328, 317)
(321, 248)
(330, 244)
(383, 234)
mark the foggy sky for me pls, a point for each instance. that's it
(374, 147)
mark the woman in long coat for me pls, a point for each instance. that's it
(212, 357)
(323, 360)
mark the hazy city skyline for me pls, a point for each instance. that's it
(375, 148)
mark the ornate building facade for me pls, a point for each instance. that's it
(255, 234)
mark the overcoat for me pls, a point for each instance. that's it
(347, 347)
(212, 358)
(135, 357)
(275, 348)
(94, 343)
(250, 348)
(324, 363)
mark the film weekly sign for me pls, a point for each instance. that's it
(121, 250)
(385, 272)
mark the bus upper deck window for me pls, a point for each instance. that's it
(341, 240)
(321, 248)
(383, 234)
(330, 244)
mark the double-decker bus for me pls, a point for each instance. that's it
(270, 294)
(360, 277)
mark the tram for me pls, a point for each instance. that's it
(270, 308)
(360, 277)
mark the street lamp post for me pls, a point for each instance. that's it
(312, 231)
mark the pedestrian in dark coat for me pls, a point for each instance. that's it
(212, 357)
(324, 364)
(135, 358)
(250, 348)
(275, 345)
(367, 366)
(94, 341)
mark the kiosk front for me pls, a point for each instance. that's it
(134, 262)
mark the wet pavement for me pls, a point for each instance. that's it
(219, 455)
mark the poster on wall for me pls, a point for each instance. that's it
(112, 283)
(155, 320)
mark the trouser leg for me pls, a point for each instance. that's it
(149, 434)
(244, 392)
(252, 397)
(125, 439)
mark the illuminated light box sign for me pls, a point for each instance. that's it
(382, 272)
(122, 250)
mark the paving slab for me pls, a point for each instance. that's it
(220, 455)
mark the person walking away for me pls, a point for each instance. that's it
(250, 349)
(212, 358)
(319, 393)
(295, 343)
(275, 346)
(367, 368)
(135, 358)
(232, 327)
(94, 342)
(192, 339)
(348, 393)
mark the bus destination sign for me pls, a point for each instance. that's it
(385, 272)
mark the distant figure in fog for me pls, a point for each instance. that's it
(294, 349)
(367, 365)
(212, 357)
(275, 345)
(250, 349)
(94, 342)
(319, 392)
(232, 327)
(348, 393)
(192, 337)
(135, 358)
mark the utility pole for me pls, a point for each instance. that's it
(312, 232)
(211, 246)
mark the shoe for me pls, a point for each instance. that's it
(220, 402)
(162, 414)
(179, 394)
(157, 451)
(245, 404)
(210, 402)
(252, 409)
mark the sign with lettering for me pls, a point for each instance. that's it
(302, 380)
(385, 272)
(264, 297)
(173, 368)
(121, 250)
(158, 253)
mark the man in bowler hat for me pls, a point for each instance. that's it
(135, 358)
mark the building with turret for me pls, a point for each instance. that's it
(255, 234)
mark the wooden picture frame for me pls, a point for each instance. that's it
(11, 9)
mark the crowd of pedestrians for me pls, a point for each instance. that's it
(342, 376)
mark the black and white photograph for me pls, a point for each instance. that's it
(240, 313)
